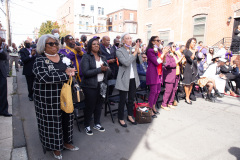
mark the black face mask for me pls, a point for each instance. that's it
(27, 45)
(84, 39)
(117, 44)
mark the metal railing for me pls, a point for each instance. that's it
(229, 42)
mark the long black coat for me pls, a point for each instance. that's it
(191, 70)
(27, 61)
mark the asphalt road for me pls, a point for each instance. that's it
(202, 131)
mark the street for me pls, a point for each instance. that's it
(202, 131)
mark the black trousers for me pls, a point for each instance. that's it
(30, 80)
(93, 105)
(3, 95)
(235, 78)
(123, 96)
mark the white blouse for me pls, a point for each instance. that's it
(100, 75)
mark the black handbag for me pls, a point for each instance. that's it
(77, 92)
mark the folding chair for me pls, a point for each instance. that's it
(142, 92)
(111, 98)
(77, 107)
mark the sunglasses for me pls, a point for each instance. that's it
(53, 43)
(144, 57)
(174, 46)
(158, 40)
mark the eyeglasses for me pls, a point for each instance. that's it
(174, 46)
(52, 44)
(157, 40)
(144, 57)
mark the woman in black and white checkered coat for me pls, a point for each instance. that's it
(51, 70)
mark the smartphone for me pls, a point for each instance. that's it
(105, 63)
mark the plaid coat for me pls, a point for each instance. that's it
(55, 126)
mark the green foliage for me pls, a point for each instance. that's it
(47, 27)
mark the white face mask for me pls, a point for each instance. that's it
(160, 47)
(56, 35)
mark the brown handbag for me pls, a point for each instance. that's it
(143, 116)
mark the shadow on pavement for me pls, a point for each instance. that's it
(235, 151)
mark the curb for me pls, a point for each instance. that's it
(19, 151)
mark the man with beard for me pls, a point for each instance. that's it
(74, 53)
(28, 56)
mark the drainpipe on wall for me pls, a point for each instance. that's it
(182, 21)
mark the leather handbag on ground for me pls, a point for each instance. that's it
(143, 115)
(77, 92)
(66, 100)
(136, 105)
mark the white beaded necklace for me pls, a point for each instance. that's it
(50, 55)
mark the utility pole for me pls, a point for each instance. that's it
(8, 40)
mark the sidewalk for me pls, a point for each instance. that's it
(6, 136)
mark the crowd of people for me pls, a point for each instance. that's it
(51, 60)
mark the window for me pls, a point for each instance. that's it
(114, 28)
(149, 32)
(83, 8)
(131, 16)
(69, 9)
(86, 25)
(164, 36)
(120, 15)
(120, 28)
(92, 8)
(199, 28)
(149, 3)
(110, 19)
(115, 17)
(102, 11)
(165, 1)
(80, 24)
(99, 10)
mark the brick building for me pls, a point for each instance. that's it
(123, 20)
(178, 20)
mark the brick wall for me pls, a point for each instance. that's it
(180, 22)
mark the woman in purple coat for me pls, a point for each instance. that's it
(154, 70)
(171, 76)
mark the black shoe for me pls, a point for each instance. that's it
(123, 125)
(209, 98)
(192, 97)
(156, 112)
(218, 94)
(134, 123)
(154, 116)
(6, 115)
(30, 99)
(188, 102)
(88, 131)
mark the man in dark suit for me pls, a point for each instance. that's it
(3, 80)
(28, 56)
(110, 54)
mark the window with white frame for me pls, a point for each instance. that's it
(165, 1)
(80, 24)
(86, 25)
(99, 10)
(149, 32)
(110, 19)
(149, 3)
(120, 28)
(115, 17)
(120, 15)
(164, 36)
(102, 11)
(92, 8)
(131, 16)
(83, 8)
(199, 25)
